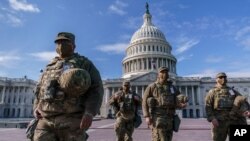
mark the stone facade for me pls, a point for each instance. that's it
(16, 97)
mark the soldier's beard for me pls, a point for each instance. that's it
(64, 50)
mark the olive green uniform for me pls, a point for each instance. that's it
(125, 108)
(159, 103)
(220, 105)
(62, 111)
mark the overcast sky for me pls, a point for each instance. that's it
(206, 36)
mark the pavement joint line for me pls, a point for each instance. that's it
(8, 129)
(100, 127)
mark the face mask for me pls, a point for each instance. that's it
(64, 50)
(162, 77)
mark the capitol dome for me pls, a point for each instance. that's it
(147, 30)
(148, 50)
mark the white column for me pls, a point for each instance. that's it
(194, 109)
(125, 67)
(18, 94)
(136, 89)
(200, 101)
(171, 67)
(107, 95)
(186, 93)
(3, 94)
(137, 64)
(142, 63)
(193, 95)
(113, 90)
(188, 113)
(132, 66)
(198, 95)
(147, 66)
(157, 63)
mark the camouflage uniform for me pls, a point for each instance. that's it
(62, 111)
(159, 103)
(240, 105)
(221, 104)
(125, 110)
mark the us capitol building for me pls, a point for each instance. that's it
(147, 51)
(16, 97)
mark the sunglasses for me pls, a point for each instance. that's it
(222, 77)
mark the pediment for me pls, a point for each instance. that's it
(148, 77)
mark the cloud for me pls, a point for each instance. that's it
(8, 58)
(185, 44)
(182, 6)
(242, 32)
(133, 22)
(243, 37)
(204, 73)
(118, 8)
(212, 73)
(13, 20)
(44, 56)
(22, 5)
(214, 59)
(182, 58)
(118, 48)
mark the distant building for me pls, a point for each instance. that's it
(16, 97)
(149, 50)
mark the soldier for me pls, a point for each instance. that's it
(221, 103)
(125, 104)
(159, 103)
(68, 95)
(240, 110)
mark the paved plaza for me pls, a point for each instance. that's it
(102, 130)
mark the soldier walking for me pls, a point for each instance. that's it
(224, 107)
(159, 103)
(68, 95)
(125, 104)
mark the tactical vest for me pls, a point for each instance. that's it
(127, 103)
(52, 99)
(224, 99)
(166, 96)
(126, 106)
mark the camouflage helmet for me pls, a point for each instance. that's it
(182, 98)
(75, 81)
